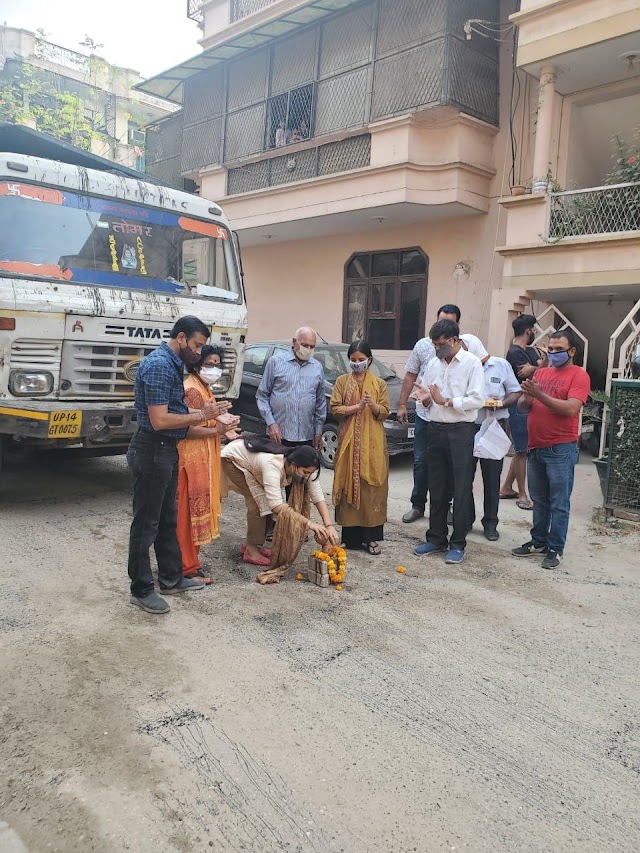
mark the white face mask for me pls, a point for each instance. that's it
(305, 353)
(210, 375)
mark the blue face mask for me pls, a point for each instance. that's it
(558, 359)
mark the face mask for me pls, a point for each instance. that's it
(297, 477)
(531, 338)
(210, 375)
(358, 366)
(305, 353)
(558, 359)
(445, 351)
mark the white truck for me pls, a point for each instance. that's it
(96, 264)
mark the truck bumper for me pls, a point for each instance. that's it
(69, 424)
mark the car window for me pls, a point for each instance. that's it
(332, 363)
(255, 359)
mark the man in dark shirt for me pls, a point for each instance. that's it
(163, 419)
(525, 360)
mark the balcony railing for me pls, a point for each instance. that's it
(194, 10)
(597, 210)
(243, 8)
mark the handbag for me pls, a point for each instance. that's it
(491, 441)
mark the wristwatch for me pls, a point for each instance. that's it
(447, 403)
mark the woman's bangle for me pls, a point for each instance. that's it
(203, 417)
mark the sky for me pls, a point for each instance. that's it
(148, 36)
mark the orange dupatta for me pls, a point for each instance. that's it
(200, 458)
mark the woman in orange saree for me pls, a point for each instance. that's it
(199, 465)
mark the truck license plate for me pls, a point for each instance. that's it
(65, 424)
(411, 432)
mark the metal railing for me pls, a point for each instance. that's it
(59, 55)
(597, 210)
(244, 8)
(194, 10)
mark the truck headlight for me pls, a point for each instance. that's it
(24, 383)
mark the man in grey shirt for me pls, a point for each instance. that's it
(291, 397)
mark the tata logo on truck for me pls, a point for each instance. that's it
(147, 332)
(130, 369)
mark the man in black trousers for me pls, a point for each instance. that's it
(163, 420)
(453, 390)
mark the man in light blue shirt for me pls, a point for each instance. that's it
(291, 397)
(501, 390)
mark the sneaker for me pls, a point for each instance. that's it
(152, 603)
(413, 515)
(454, 555)
(551, 560)
(184, 585)
(491, 533)
(429, 548)
(529, 550)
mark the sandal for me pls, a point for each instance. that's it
(524, 504)
(510, 497)
(372, 548)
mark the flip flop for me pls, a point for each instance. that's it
(266, 552)
(522, 504)
(510, 497)
(263, 561)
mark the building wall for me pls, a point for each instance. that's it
(301, 282)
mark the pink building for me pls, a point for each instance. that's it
(365, 153)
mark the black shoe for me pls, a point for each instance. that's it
(529, 550)
(413, 515)
(551, 560)
(491, 533)
(152, 603)
(185, 585)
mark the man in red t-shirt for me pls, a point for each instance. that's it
(554, 400)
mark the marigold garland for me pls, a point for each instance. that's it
(336, 560)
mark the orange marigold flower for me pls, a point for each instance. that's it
(401, 570)
(299, 577)
(339, 587)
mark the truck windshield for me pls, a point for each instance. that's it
(56, 234)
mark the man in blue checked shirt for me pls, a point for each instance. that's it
(291, 397)
(163, 420)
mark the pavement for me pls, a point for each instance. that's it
(492, 706)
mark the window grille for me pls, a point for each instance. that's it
(409, 80)
(289, 117)
(345, 41)
(343, 156)
(294, 61)
(202, 145)
(377, 60)
(242, 8)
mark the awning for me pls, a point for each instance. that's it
(170, 84)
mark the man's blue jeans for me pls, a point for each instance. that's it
(550, 472)
(420, 468)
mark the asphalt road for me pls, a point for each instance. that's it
(487, 707)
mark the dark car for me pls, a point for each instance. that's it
(333, 358)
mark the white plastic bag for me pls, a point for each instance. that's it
(491, 441)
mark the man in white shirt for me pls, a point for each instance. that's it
(415, 367)
(501, 390)
(453, 390)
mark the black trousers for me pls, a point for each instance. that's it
(491, 474)
(153, 461)
(450, 461)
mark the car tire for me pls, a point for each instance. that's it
(329, 445)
